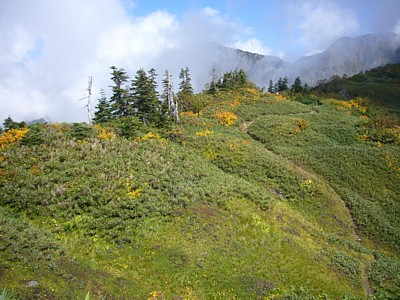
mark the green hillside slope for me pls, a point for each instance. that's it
(380, 85)
(254, 197)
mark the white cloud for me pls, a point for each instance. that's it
(49, 48)
(210, 12)
(319, 23)
(140, 39)
(256, 46)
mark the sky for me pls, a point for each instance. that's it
(48, 48)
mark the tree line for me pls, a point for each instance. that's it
(282, 85)
(139, 97)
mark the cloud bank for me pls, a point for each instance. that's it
(49, 48)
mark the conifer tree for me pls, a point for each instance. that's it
(271, 87)
(120, 100)
(145, 97)
(285, 83)
(103, 111)
(185, 86)
(8, 123)
(185, 89)
(212, 89)
(296, 87)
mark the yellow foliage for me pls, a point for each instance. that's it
(231, 103)
(252, 91)
(350, 105)
(135, 193)
(204, 133)
(189, 114)
(301, 124)
(226, 118)
(11, 136)
(280, 97)
(148, 136)
(252, 94)
(105, 133)
(156, 296)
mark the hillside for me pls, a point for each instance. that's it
(380, 85)
(253, 196)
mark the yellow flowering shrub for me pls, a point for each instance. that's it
(132, 191)
(352, 105)
(204, 133)
(150, 135)
(11, 136)
(106, 134)
(231, 103)
(252, 94)
(135, 193)
(189, 114)
(226, 118)
(156, 296)
(301, 124)
(280, 97)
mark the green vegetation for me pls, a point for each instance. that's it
(380, 85)
(250, 196)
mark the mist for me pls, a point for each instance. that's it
(48, 49)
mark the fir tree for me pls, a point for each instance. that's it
(212, 89)
(185, 86)
(9, 123)
(120, 98)
(281, 85)
(103, 109)
(185, 89)
(145, 97)
(271, 87)
(296, 87)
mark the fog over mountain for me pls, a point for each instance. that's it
(345, 56)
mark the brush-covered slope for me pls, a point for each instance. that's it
(381, 85)
(251, 198)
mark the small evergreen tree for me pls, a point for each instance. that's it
(212, 89)
(281, 85)
(232, 80)
(185, 86)
(120, 100)
(103, 111)
(9, 123)
(296, 87)
(145, 97)
(306, 88)
(185, 89)
(271, 87)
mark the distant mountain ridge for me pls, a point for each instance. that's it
(345, 56)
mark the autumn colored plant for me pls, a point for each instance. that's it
(11, 136)
(226, 118)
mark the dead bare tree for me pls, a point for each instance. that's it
(89, 100)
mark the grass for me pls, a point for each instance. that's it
(256, 197)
